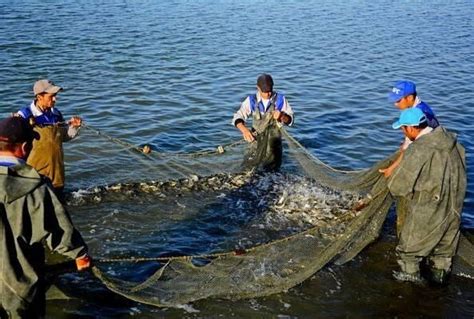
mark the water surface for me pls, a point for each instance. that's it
(171, 73)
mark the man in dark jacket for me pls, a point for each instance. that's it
(30, 215)
(431, 178)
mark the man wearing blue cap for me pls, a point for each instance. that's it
(404, 96)
(431, 179)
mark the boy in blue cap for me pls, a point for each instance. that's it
(404, 96)
(431, 179)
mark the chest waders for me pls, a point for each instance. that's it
(47, 155)
(266, 152)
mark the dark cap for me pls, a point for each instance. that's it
(16, 130)
(265, 82)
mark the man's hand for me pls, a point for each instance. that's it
(282, 117)
(83, 263)
(248, 136)
(360, 205)
(386, 171)
(75, 121)
(276, 115)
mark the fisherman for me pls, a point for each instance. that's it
(47, 155)
(404, 96)
(30, 214)
(431, 177)
(268, 109)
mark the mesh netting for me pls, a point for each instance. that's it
(331, 215)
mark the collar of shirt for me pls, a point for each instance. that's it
(417, 101)
(265, 103)
(37, 112)
(10, 160)
(407, 141)
(425, 131)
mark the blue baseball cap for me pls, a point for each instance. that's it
(400, 90)
(413, 116)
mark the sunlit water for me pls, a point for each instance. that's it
(171, 73)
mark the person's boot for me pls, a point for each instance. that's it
(409, 277)
(438, 276)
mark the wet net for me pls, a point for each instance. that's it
(290, 223)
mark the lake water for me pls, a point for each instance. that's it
(171, 73)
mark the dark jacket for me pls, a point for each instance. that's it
(432, 179)
(30, 215)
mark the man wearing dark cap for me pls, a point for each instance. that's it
(47, 154)
(269, 110)
(30, 215)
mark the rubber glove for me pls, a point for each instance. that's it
(83, 263)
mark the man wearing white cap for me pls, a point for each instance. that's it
(431, 178)
(47, 154)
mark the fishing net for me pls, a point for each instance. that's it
(288, 225)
